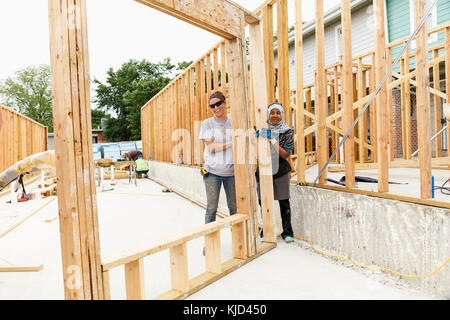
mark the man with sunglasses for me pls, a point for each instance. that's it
(216, 133)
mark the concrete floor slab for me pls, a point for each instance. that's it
(131, 216)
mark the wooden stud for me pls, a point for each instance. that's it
(223, 69)
(299, 113)
(336, 107)
(390, 106)
(244, 176)
(267, 16)
(134, 280)
(73, 144)
(264, 158)
(239, 241)
(179, 267)
(106, 285)
(321, 104)
(208, 81)
(408, 110)
(283, 59)
(447, 81)
(382, 108)
(213, 253)
(437, 105)
(423, 103)
(347, 94)
(361, 94)
(309, 144)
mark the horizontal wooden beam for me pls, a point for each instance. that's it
(219, 17)
(204, 279)
(163, 244)
(394, 164)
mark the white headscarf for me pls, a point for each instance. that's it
(282, 126)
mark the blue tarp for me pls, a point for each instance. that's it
(115, 150)
(97, 152)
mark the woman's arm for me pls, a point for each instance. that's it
(280, 150)
(217, 147)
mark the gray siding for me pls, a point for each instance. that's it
(362, 41)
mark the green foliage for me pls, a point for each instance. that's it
(126, 91)
(97, 117)
(29, 92)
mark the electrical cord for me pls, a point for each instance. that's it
(444, 190)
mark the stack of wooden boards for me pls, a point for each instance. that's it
(49, 188)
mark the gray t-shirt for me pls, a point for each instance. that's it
(220, 163)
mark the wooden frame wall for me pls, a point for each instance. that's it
(184, 98)
(20, 137)
(350, 85)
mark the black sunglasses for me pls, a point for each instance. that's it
(217, 104)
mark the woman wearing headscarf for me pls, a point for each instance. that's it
(282, 144)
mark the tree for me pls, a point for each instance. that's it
(29, 92)
(97, 117)
(127, 90)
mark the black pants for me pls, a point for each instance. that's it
(285, 211)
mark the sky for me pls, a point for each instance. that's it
(119, 30)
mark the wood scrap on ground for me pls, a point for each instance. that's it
(21, 268)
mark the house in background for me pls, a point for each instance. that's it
(400, 20)
(362, 25)
(399, 23)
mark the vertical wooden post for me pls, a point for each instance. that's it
(212, 253)
(223, 69)
(134, 280)
(308, 106)
(208, 81)
(179, 267)
(382, 120)
(390, 107)
(437, 105)
(403, 107)
(321, 104)
(267, 20)
(347, 94)
(423, 103)
(264, 158)
(239, 240)
(106, 285)
(77, 201)
(283, 59)
(447, 79)
(244, 176)
(361, 130)
(408, 110)
(373, 112)
(336, 108)
(300, 116)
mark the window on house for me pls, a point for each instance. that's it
(339, 43)
(432, 20)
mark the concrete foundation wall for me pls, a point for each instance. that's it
(186, 180)
(407, 238)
